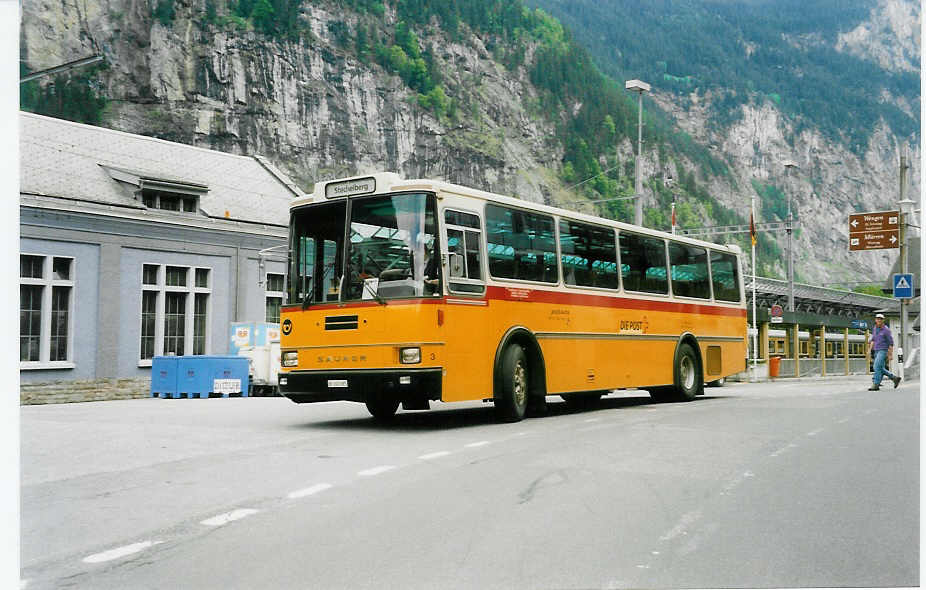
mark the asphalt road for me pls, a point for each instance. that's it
(796, 483)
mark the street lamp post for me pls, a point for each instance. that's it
(639, 87)
(789, 164)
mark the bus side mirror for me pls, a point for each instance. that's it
(457, 268)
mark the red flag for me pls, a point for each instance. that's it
(673, 214)
(752, 229)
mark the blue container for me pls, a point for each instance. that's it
(229, 376)
(164, 373)
(194, 378)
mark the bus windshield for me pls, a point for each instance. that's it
(392, 250)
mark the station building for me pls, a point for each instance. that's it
(133, 247)
(826, 334)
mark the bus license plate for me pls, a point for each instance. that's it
(337, 383)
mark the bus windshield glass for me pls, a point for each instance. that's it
(316, 253)
(393, 250)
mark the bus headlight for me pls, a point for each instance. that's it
(290, 358)
(410, 355)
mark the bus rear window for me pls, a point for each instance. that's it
(643, 264)
(521, 245)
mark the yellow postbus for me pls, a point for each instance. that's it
(410, 291)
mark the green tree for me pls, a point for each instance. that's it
(435, 100)
(73, 98)
(164, 12)
(262, 15)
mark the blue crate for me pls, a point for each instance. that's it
(194, 377)
(164, 373)
(230, 367)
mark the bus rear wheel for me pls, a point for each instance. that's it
(383, 409)
(511, 399)
(688, 377)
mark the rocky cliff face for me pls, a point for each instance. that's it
(890, 37)
(317, 112)
(829, 183)
(309, 106)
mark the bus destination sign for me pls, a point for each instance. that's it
(347, 188)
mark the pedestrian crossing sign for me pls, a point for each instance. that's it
(903, 286)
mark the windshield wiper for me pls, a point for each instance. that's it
(379, 298)
(307, 301)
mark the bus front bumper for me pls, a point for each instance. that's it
(361, 385)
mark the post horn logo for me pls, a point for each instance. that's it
(287, 326)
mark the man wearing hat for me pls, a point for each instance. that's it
(882, 345)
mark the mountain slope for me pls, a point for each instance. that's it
(480, 92)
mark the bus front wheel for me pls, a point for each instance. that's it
(511, 400)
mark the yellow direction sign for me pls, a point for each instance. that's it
(877, 230)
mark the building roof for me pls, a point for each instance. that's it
(821, 300)
(85, 163)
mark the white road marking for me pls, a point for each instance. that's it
(375, 470)
(783, 449)
(680, 528)
(843, 421)
(434, 455)
(592, 420)
(481, 443)
(319, 487)
(119, 552)
(228, 517)
(815, 432)
(736, 481)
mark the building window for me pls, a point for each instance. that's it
(169, 201)
(174, 328)
(174, 311)
(274, 297)
(45, 310)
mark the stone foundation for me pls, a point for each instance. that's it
(92, 390)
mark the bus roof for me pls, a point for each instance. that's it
(387, 182)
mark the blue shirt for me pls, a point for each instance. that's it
(882, 338)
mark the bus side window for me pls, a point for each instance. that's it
(643, 263)
(521, 245)
(588, 255)
(689, 271)
(464, 245)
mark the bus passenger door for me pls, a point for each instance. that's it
(468, 366)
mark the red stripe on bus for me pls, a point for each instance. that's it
(565, 298)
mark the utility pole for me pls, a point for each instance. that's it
(906, 210)
(789, 164)
(639, 87)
